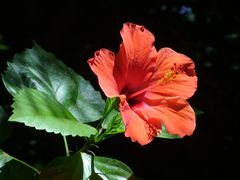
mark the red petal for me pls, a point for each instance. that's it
(137, 128)
(137, 42)
(176, 115)
(102, 65)
(184, 84)
(136, 59)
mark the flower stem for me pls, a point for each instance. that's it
(66, 145)
(87, 145)
(31, 167)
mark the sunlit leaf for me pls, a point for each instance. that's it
(38, 69)
(39, 110)
(14, 169)
(85, 166)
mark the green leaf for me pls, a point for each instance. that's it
(5, 127)
(4, 158)
(164, 134)
(112, 118)
(85, 166)
(95, 176)
(38, 69)
(111, 103)
(70, 167)
(111, 168)
(113, 122)
(14, 169)
(39, 110)
(3, 115)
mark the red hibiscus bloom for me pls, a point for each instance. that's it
(152, 86)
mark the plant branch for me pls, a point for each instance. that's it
(66, 146)
(31, 167)
(87, 145)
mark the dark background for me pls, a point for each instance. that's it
(206, 31)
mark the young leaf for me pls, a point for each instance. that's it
(166, 135)
(38, 69)
(85, 166)
(39, 110)
(111, 103)
(14, 169)
(112, 119)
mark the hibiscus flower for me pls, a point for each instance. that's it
(152, 85)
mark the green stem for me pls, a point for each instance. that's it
(87, 145)
(66, 146)
(31, 167)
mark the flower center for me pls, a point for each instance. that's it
(168, 77)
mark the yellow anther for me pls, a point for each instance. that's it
(169, 76)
